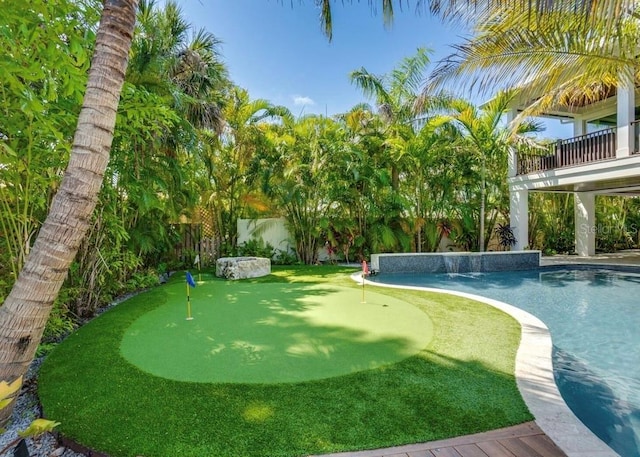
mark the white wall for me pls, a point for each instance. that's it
(273, 231)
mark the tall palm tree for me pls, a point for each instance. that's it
(299, 175)
(489, 141)
(435, 174)
(359, 177)
(229, 188)
(171, 59)
(178, 69)
(395, 95)
(26, 309)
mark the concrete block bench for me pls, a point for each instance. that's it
(242, 267)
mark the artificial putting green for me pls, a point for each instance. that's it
(272, 333)
(462, 382)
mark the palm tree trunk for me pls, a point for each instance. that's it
(26, 309)
(483, 197)
(395, 177)
(481, 241)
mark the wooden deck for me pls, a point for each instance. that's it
(525, 440)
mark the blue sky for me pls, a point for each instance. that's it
(277, 51)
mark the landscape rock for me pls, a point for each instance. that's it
(242, 267)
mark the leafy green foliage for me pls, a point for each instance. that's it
(300, 183)
(551, 223)
(256, 247)
(487, 144)
(229, 171)
(285, 258)
(43, 69)
(60, 321)
(616, 223)
(172, 89)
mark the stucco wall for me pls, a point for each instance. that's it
(273, 231)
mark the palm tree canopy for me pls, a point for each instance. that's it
(559, 59)
(597, 38)
(396, 92)
(473, 10)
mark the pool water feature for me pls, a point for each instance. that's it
(593, 316)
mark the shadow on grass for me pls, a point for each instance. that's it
(454, 387)
(265, 333)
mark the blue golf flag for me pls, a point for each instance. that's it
(190, 279)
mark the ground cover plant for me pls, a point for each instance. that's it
(461, 382)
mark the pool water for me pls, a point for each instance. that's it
(594, 319)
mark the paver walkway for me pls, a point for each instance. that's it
(525, 440)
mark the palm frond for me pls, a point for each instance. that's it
(371, 85)
(510, 51)
(326, 22)
(359, 108)
(584, 11)
(409, 75)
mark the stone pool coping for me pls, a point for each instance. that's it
(535, 380)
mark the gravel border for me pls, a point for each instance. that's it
(27, 408)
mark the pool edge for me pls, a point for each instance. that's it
(535, 380)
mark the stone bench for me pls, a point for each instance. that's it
(242, 267)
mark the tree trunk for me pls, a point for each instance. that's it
(483, 197)
(395, 177)
(26, 309)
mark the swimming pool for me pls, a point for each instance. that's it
(593, 316)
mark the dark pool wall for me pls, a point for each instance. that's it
(455, 262)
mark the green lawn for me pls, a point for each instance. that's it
(461, 382)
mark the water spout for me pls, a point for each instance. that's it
(475, 263)
(452, 263)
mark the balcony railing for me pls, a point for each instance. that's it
(592, 147)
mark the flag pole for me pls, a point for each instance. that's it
(189, 318)
(364, 274)
(197, 263)
(190, 283)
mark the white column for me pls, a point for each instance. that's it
(626, 115)
(579, 127)
(585, 212)
(519, 218)
(512, 158)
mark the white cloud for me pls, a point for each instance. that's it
(299, 100)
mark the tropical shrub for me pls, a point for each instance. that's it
(256, 247)
(506, 238)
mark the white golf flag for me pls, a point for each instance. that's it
(197, 260)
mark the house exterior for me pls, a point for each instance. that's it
(602, 158)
